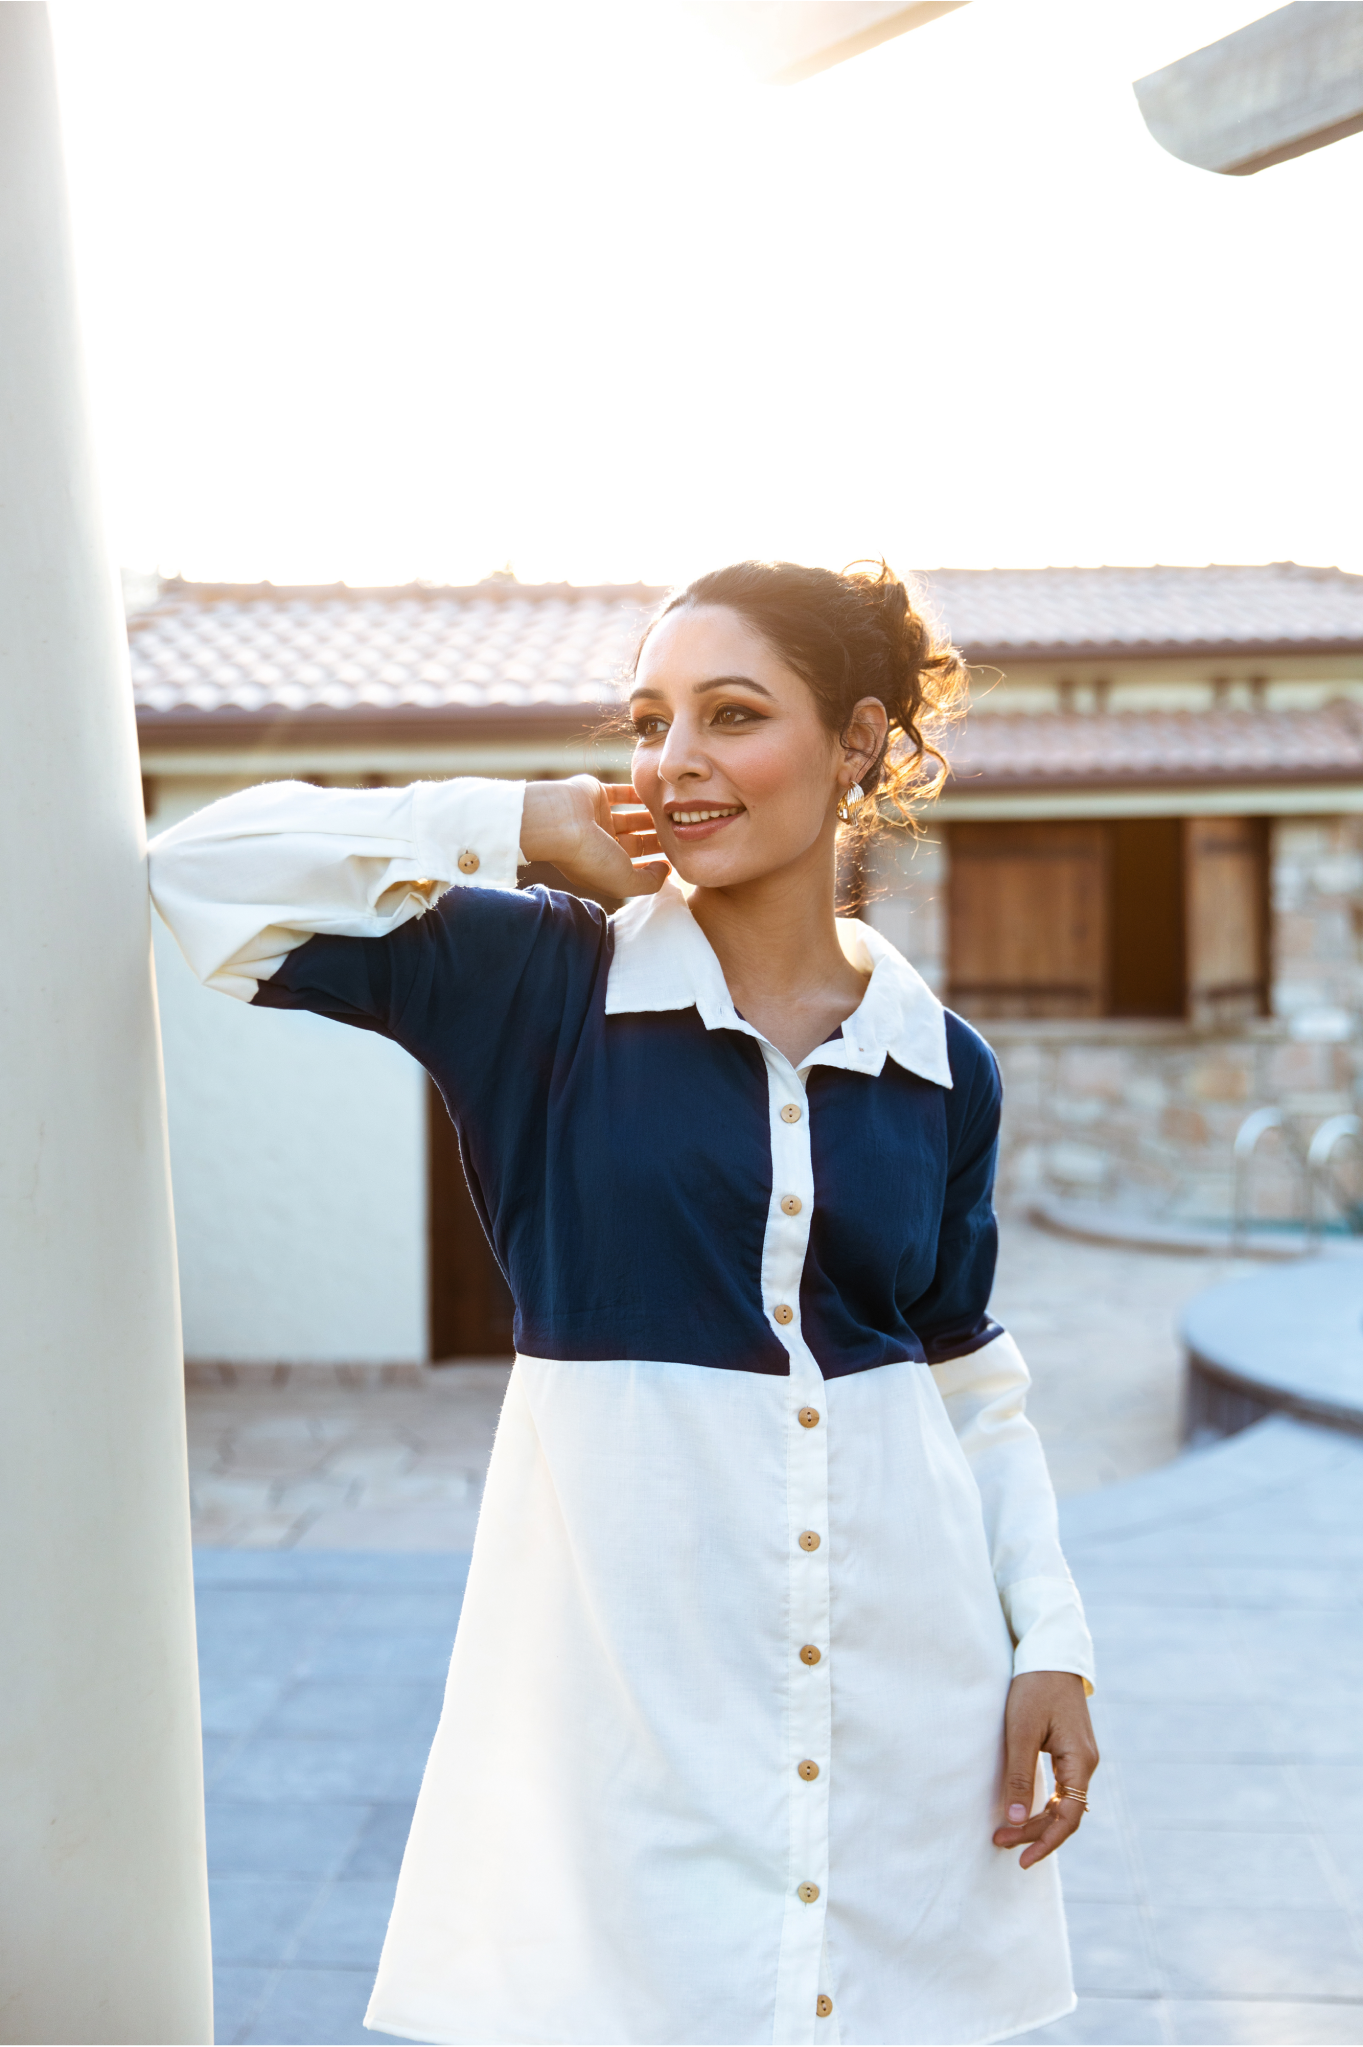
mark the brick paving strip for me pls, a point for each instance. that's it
(1216, 1890)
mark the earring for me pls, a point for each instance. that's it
(848, 802)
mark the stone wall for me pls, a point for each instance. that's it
(1144, 1115)
(1318, 922)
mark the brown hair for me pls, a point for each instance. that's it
(850, 635)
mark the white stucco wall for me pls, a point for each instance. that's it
(298, 1151)
(906, 885)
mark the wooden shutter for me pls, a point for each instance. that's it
(1028, 919)
(470, 1301)
(1226, 879)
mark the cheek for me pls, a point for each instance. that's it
(787, 768)
(643, 772)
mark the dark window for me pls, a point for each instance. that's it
(1136, 917)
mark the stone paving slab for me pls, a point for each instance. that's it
(313, 1759)
(1215, 1892)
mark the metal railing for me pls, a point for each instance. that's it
(1331, 1133)
(1313, 1165)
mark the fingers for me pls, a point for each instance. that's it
(1042, 1833)
(648, 878)
(1046, 1710)
(1074, 1758)
(1024, 1731)
(638, 844)
(1061, 1817)
(630, 817)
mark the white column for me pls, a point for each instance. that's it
(103, 1894)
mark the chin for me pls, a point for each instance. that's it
(699, 869)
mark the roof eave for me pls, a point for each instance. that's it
(412, 725)
(998, 655)
(1190, 778)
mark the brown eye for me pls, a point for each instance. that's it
(648, 728)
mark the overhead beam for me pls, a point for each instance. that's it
(1278, 88)
(787, 40)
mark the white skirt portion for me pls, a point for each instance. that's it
(615, 1841)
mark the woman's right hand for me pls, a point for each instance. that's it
(591, 832)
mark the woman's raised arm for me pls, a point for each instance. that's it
(247, 880)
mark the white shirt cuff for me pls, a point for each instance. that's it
(469, 831)
(1046, 1619)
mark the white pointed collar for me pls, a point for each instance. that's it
(663, 960)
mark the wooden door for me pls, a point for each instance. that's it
(1028, 919)
(1146, 966)
(1226, 884)
(470, 1302)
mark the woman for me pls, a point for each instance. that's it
(767, 1620)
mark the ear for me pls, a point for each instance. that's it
(863, 736)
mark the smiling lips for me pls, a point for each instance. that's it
(698, 822)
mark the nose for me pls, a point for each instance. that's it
(683, 756)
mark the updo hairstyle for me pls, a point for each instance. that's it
(850, 635)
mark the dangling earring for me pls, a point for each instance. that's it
(848, 802)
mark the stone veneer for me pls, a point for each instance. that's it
(1145, 1114)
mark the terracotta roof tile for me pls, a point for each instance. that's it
(208, 658)
(1051, 749)
(1020, 613)
(493, 646)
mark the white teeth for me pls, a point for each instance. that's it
(702, 816)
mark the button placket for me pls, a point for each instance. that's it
(807, 1761)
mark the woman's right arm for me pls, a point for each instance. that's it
(246, 881)
(251, 878)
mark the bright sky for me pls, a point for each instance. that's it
(408, 289)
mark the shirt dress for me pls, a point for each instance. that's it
(766, 1531)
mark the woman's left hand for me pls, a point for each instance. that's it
(1047, 1709)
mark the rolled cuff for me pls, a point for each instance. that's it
(469, 831)
(1046, 1620)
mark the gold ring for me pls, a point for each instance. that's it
(1063, 1791)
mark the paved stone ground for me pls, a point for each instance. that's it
(312, 1463)
(1098, 1327)
(321, 1673)
(1216, 1891)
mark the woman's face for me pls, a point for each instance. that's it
(738, 770)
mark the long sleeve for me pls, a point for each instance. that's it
(985, 1396)
(980, 1374)
(247, 880)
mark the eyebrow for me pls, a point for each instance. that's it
(701, 689)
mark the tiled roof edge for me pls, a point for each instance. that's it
(984, 655)
(497, 589)
(1049, 781)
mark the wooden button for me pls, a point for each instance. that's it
(791, 1204)
(823, 2006)
(783, 1314)
(809, 1654)
(469, 863)
(807, 1893)
(809, 1771)
(809, 1540)
(808, 1417)
(791, 1113)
